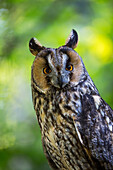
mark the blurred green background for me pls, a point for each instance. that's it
(50, 21)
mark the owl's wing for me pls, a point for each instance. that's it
(94, 129)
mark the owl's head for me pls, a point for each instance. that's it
(58, 67)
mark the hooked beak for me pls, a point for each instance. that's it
(61, 81)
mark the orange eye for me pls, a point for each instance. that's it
(46, 70)
(69, 67)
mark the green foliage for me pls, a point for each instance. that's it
(50, 22)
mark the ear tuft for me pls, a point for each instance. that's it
(72, 40)
(35, 47)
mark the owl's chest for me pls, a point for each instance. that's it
(57, 110)
(59, 136)
(55, 116)
(60, 141)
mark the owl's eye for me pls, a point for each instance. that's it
(69, 67)
(46, 70)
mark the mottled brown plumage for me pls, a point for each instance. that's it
(75, 122)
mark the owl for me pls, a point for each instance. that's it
(75, 122)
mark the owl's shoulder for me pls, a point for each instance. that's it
(94, 128)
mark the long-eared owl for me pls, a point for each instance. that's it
(75, 122)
